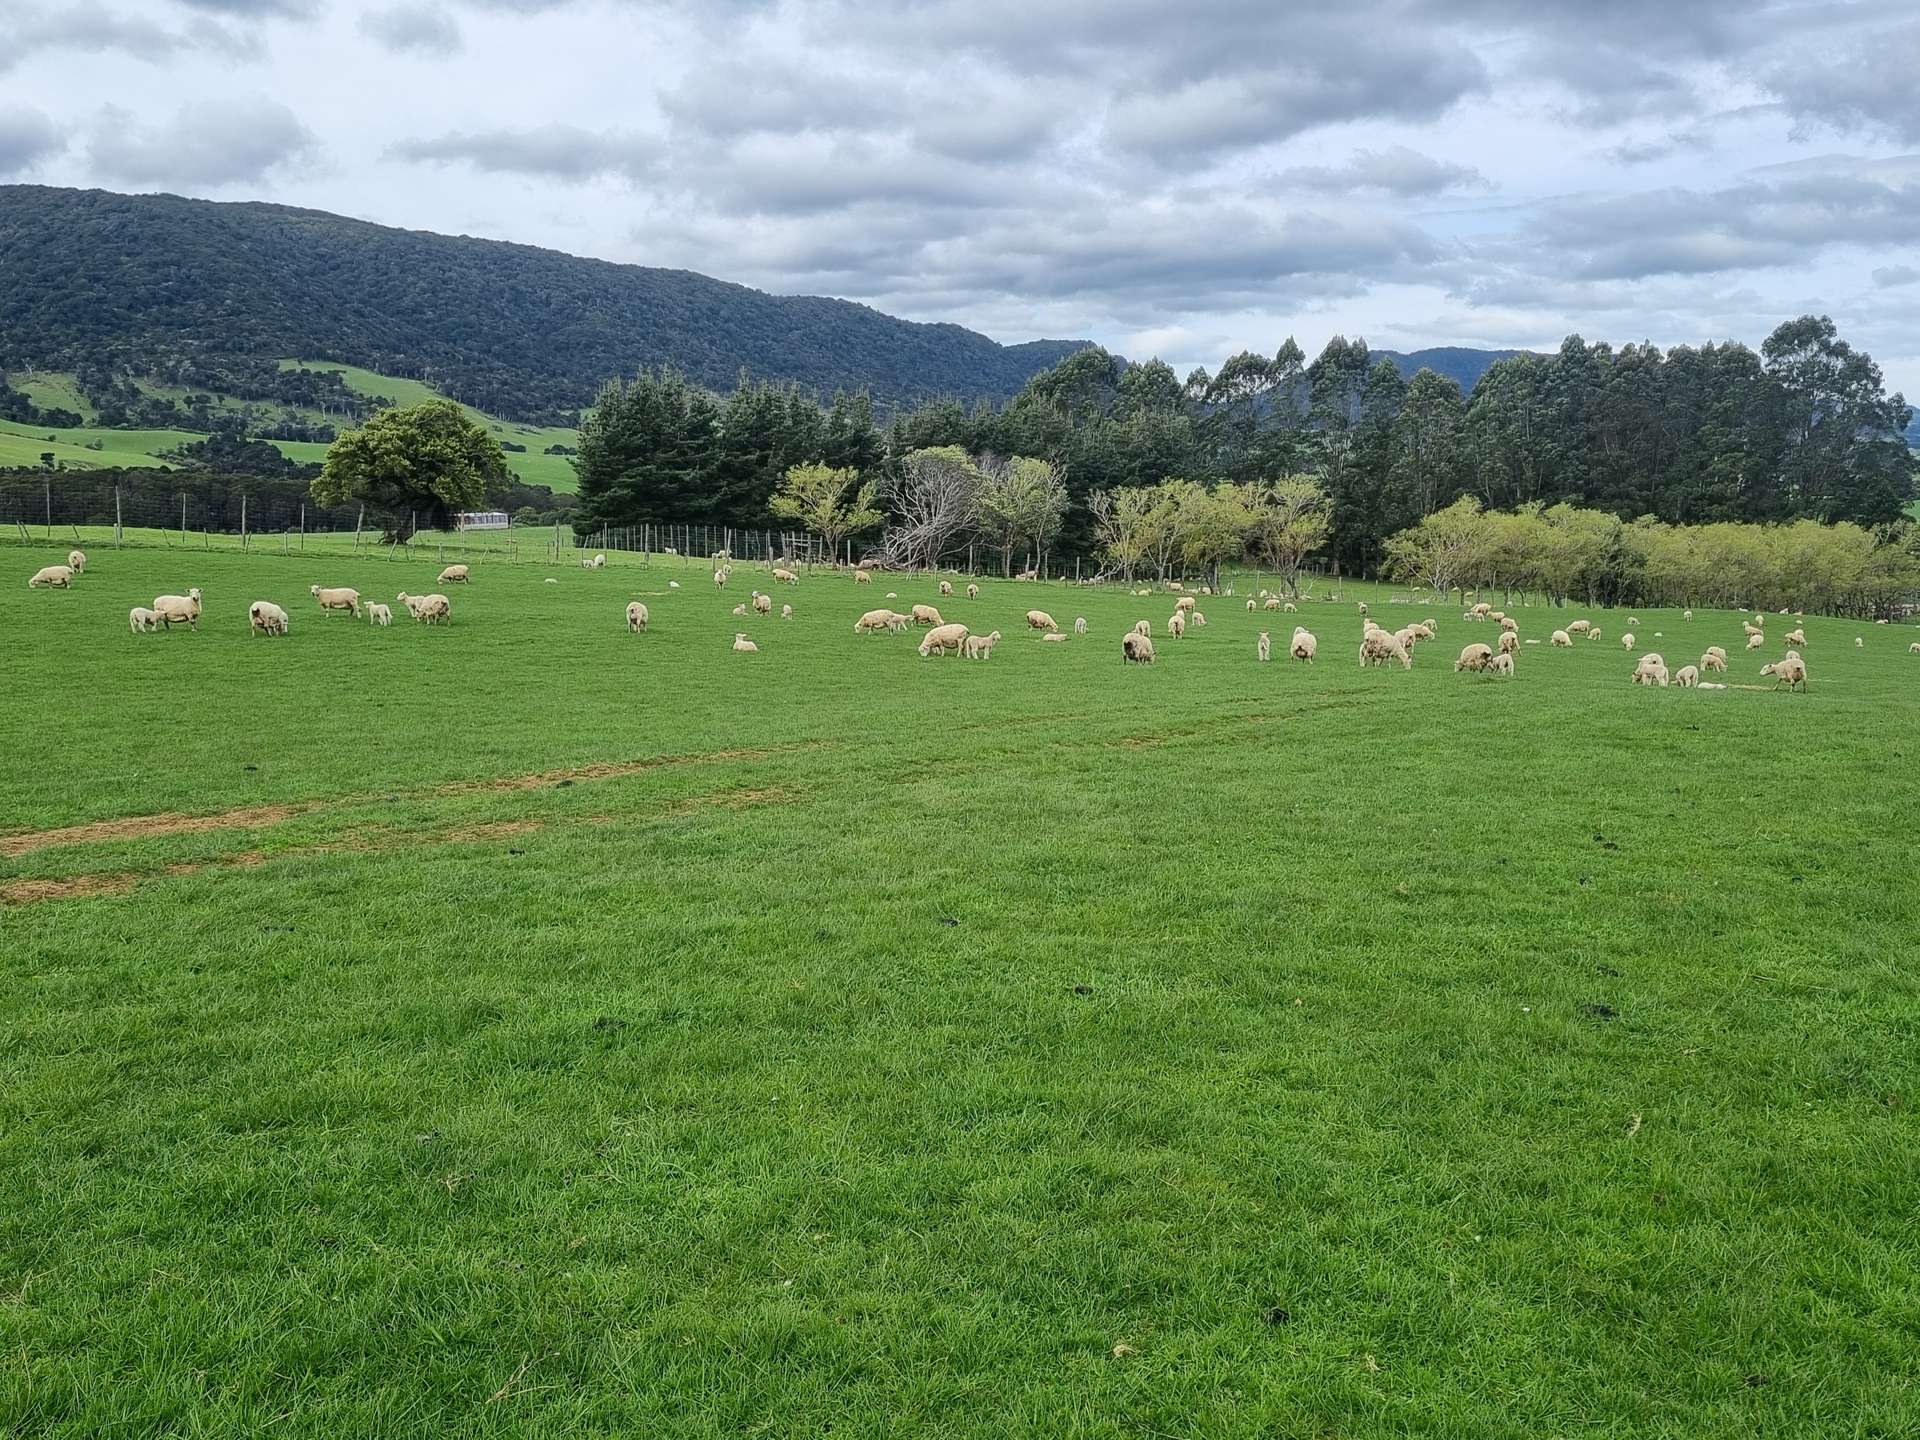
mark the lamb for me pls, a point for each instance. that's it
(140, 619)
(873, 622)
(179, 609)
(427, 608)
(980, 647)
(1289, 607)
(946, 587)
(1251, 606)
(720, 580)
(1562, 639)
(338, 598)
(786, 612)
(1686, 614)
(1593, 634)
(1303, 646)
(1686, 677)
(1859, 643)
(1791, 673)
(784, 576)
(740, 610)
(77, 561)
(1136, 649)
(1198, 619)
(1079, 624)
(1719, 650)
(1579, 627)
(1379, 647)
(926, 615)
(1755, 640)
(454, 575)
(1143, 628)
(1408, 636)
(1715, 664)
(861, 577)
(378, 614)
(59, 576)
(1061, 638)
(1473, 657)
(1509, 642)
(1263, 647)
(1626, 641)
(1914, 649)
(762, 604)
(598, 561)
(1272, 604)
(742, 643)
(1040, 620)
(1507, 622)
(1751, 629)
(973, 592)
(636, 617)
(1480, 611)
(1633, 620)
(941, 639)
(1796, 637)
(266, 618)
(1650, 671)
(1499, 615)
(1177, 625)
(1363, 607)
(1501, 665)
(1187, 602)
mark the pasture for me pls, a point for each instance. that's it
(525, 1028)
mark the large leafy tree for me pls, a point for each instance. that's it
(428, 458)
(828, 502)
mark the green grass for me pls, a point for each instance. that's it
(25, 444)
(54, 390)
(621, 1036)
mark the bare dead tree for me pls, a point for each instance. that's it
(932, 503)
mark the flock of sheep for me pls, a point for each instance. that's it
(1378, 646)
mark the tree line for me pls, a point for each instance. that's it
(1803, 429)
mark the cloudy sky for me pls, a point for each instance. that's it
(1182, 179)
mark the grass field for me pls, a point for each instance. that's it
(527, 1029)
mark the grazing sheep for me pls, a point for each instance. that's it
(77, 561)
(427, 609)
(1197, 619)
(1500, 615)
(58, 576)
(786, 612)
(1501, 665)
(1507, 622)
(784, 576)
(1561, 639)
(1914, 649)
(946, 588)
(742, 643)
(1719, 650)
(980, 647)
(1756, 640)
(179, 609)
(266, 618)
(941, 639)
(973, 592)
(1142, 627)
(140, 620)
(1593, 634)
(1177, 625)
(1273, 604)
(1579, 627)
(1789, 672)
(1751, 630)
(636, 617)
(1473, 657)
(1480, 611)
(1796, 637)
(1263, 647)
(1408, 636)
(762, 604)
(926, 615)
(378, 614)
(1079, 624)
(1040, 620)
(873, 622)
(1626, 641)
(455, 575)
(1762, 619)
(1509, 642)
(338, 598)
(861, 577)
(893, 594)
(1303, 646)
(1686, 677)
(1136, 649)
(1650, 671)
(1289, 607)
(1185, 602)
(1633, 620)
(1714, 663)
(1380, 647)
(598, 561)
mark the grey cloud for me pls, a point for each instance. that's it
(26, 138)
(206, 143)
(425, 28)
(1865, 85)
(1396, 170)
(258, 9)
(1892, 276)
(556, 152)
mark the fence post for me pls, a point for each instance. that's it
(183, 518)
(303, 527)
(243, 519)
(117, 534)
(49, 494)
(356, 529)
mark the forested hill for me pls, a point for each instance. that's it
(1463, 366)
(165, 285)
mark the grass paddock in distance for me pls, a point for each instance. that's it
(527, 1028)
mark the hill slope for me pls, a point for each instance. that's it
(156, 283)
(1454, 361)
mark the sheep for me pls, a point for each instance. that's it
(1593, 634)
(1507, 622)
(1791, 655)
(743, 644)
(1626, 641)
(720, 581)
(1719, 650)
(893, 595)
(1408, 636)
(1263, 647)
(1500, 615)
(58, 576)
(77, 561)
(179, 609)
(1790, 672)
(426, 608)
(973, 592)
(1751, 630)
(980, 647)
(454, 575)
(266, 618)
(141, 620)
(1251, 607)
(1501, 665)
(1796, 637)
(1061, 638)
(1716, 664)
(1136, 649)
(873, 622)
(1914, 649)
(1380, 647)
(636, 617)
(762, 604)
(941, 639)
(1363, 607)
(1272, 604)
(1686, 677)
(671, 584)
(1561, 639)
(598, 561)
(1859, 643)
(1040, 620)
(786, 612)
(1185, 602)
(1303, 646)
(1421, 630)
(1473, 657)
(1633, 620)
(1197, 619)
(1509, 642)
(1756, 640)
(1079, 624)
(861, 577)
(1143, 628)
(740, 611)
(1762, 619)
(1290, 608)
(926, 615)
(1686, 614)
(1579, 627)
(783, 576)
(378, 614)
(338, 598)
(1480, 611)
(1177, 625)
(946, 588)
(1650, 671)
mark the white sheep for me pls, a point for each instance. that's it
(1473, 657)
(1251, 605)
(1593, 634)
(1751, 630)
(455, 575)
(378, 614)
(973, 592)
(1379, 648)
(1562, 639)
(786, 612)
(1079, 624)
(783, 576)
(141, 620)
(59, 577)
(266, 618)
(742, 643)
(1755, 640)
(1719, 650)
(1290, 608)
(941, 639)
(1914, 649)
(1686, 677)
(1480, 611)
(1790, 672)
(1509, 642)
(1142, 627)
(1507, 622)
(1263, 647)
(77, 561)
(1040, 620)
(861, 577)
(636, 617)
(1579, 627)
(1633, 620)
(1626, 641)
(1177, 624)
(1686, 614)
(671, 584)
(873, 622)
(1273, 603)
(1062, 639)
(1185, 602)
(1303, 645)
(1501, 665)
(427, 609)
(762, 604)
(1859, 643)
(179, 609)
(1650, 671)
(740, 611)
(1796, 637)
(720, 583)
(946, 588)
(1136, 648)
(1716, 664)
(339, 597)
(926, 615)
(980, 647)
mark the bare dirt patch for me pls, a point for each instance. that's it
(73, 887)
(147, 827)
(732, 800)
